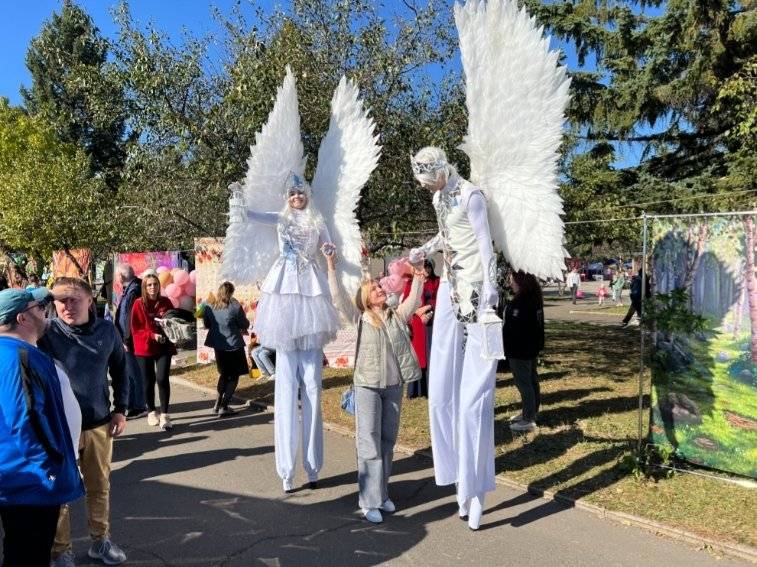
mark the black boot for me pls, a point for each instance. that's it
(228, 393)
(219, 402)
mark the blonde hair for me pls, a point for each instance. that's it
(363, 302)
(222, 299)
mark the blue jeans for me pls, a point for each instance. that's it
(262, 358)
(136, 383)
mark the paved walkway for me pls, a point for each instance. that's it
(207, 494)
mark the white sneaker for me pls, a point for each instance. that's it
(523, 425)
(372, 515)
(165, 422)
(153, 418)
(388, 506)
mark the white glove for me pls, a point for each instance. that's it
(489, 295)
(416, 256)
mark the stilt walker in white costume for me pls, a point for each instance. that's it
(295, 315)
(516, 95)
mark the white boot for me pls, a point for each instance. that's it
(475, 511)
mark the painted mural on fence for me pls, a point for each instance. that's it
(704, 383)
(339, 353)
(71, 263)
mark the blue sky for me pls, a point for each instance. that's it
(23, 21)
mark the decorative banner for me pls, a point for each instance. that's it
(704, 385)
(65, 263)
(340, 353)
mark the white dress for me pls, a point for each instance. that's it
(295, 311)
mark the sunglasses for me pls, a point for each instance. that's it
(41, 305)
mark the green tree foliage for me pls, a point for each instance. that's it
(48, 199)
(74, 90)
(196, 106)
(676, 79)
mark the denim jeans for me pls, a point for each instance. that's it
(262, 358)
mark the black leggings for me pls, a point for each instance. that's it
(155, 370)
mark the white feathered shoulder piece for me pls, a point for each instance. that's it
(516, 95)
(346, 158)
(251, 248)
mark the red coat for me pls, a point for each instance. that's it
(144, 327)
(417, 328)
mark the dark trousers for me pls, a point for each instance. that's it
(527, 382)
(635, 308)
(155, 371)
(29, 534)
(419, 388)
(136, 382)
(573, 292)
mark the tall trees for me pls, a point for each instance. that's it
(673, 81)
(73, 89)
(48, 199)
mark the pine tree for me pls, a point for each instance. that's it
(675, 80)
(74, 89)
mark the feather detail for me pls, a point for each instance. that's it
(250, 248)
(516, 95)
(346, 158)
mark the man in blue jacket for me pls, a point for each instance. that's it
(37, 458)
(89, 349)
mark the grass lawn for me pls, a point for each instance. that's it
(588, 422)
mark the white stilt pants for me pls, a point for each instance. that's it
(298, 371)
(461, 404)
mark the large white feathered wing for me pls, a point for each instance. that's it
(250, 248)
(348, 155)
(516, 94)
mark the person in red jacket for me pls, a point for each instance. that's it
(420, 328)
(152, 348)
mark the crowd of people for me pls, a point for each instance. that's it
(69, 381)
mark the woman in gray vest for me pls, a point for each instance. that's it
(384, 363)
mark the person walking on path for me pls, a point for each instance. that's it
(89, 349)
(636, 296)
(153, 349)
(617, 287)
(132, 289)
(573, 281)
(523, 340)
(226, 322)
(37, 454)
(384, 363)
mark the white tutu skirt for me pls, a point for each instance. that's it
(292, 321)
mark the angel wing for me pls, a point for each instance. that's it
(250, 248)
(516, 95)
(348, 155)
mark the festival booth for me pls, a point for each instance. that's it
(208, 251)
(704, 379)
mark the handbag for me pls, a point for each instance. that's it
(348, 396)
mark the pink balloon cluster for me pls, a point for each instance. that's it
(179, 286)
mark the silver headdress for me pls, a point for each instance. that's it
(296, 184)
(423, 168)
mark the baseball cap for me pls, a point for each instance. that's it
(14, 301)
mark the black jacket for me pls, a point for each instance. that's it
(123, 311)
(524, 329)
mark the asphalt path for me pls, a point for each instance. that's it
(207, 494)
